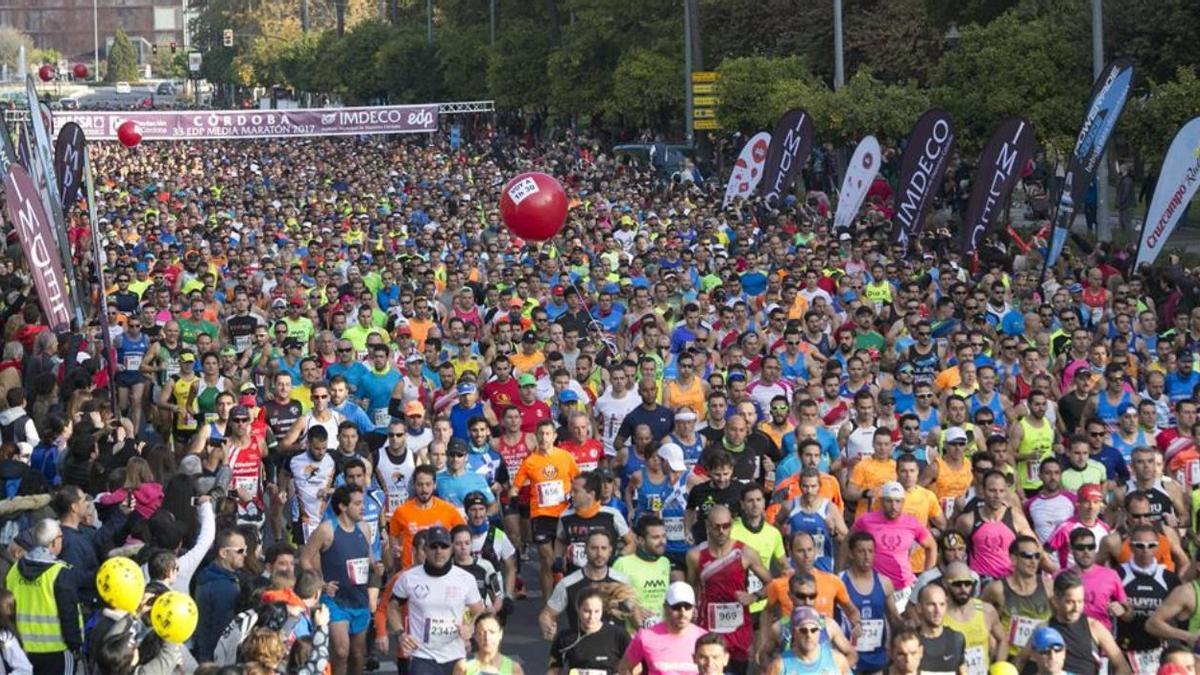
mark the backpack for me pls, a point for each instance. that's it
(10, 432)
(226, 651)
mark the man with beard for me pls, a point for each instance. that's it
(596, 570)
(894, 533)
(1082, 636)
(719, 489)
(420, 512)
(648, 569)
(1023, 599)
(976, 620)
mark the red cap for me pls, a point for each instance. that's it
(558, 291)
(1172, 669)
(1091, 492)
(297, 302)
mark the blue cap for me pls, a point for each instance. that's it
(140, 267)
(568, 396)
(1046, 637)
(1013, 323)
(465, 388)
(610, 289)
(1075, 288)
(736, 377)
(849, 296)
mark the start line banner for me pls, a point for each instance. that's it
(174, 125)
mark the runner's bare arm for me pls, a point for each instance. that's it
(1117, 665)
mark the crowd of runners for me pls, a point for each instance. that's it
(359, 422)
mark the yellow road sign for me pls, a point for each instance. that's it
(704, 76)
(704, 88)
(705, 101)
(706, 125)
(704, 113)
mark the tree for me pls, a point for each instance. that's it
(867, 105)
(122, 60)
(1015, 65)
(11, 41)
(516, 72)
(756, 90)
(1149, 124)
(647, 90)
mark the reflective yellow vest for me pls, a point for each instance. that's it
(37, 610)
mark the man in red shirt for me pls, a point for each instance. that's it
(532, 410)
(501, 391)
(586, 450)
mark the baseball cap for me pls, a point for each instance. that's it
(414, 408)
(529, 336)
(803, 614)
(892, 490)
(1091, 492)
(414, 358)
(191, 466)
(679, 593)
(228, 351)
(672, 454)
(1046, 637)
(278, 303)
(465, 388)
(188, 357)
(558, 291)
(886, 398)
(437, 535)
(845, 236)
(526, 380)
(953, 539)
(606, 473)
(514, 301)
(293, 343)
(403, 329)
(568, 396)
(956, 435)
(457, 446)
(474, 499)
(248, 388)
(297, 301)
(239, 411)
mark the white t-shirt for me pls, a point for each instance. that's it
(309, 477)
(612, 412)
(435, 610)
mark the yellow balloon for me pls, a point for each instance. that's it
(121, 584)
(1003, 668)
(174, 616)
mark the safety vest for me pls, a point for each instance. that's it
(37, 610)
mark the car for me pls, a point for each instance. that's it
(123, 88)
(70, 104)
(165, 89)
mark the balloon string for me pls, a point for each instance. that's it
(608, 342)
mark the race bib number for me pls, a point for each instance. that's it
(209, 418)
(651, 621)
(1032, 469)
(1144, 663)
(394, 500)
(578, 554)
(1021, 629)
(171, 369)
(133, 361)
(380, 417)
(870, 635)
(308, 529)
(248, 484)
(819, 543)
(241, 343)
(656, 503)
(550, 493)
(900, 599)
(1193, 471)
(948, 507)
(976, 661)
(439, 631)
(753, 583)
(725, 617)
(674, 528)
(358, 570)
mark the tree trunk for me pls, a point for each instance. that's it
(553, 19)
(340, 8)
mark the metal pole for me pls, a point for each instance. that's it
(304, 16)
(1104, 228)
(492, 22)
(687, 71)
(839, 65)
(429, 22)
(95, 41)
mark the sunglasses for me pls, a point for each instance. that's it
(1029, 555)
(437, 547)
(682, 607)
(1144, 545)
(804, 596)
(808, 631)
(722, 526)
(1084, 547)
(239, 420)
(1052, 649)
(1139, 515)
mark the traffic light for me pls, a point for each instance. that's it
(227, 37)
(154, 49)
(172, 46)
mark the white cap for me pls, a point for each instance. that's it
(672, 454)
(679, 592)
(892, 490)
(956, 434)
(686, 414)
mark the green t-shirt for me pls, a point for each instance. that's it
(189, 330)
(768, 544)
(648, 579)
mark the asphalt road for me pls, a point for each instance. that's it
(107, 97)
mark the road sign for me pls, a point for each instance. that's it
(704, 114)
(706, 101)
(194, 61)
(704, 76)
(706, 125)
(704, 89)
(227, 37)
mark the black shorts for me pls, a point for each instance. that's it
(678, 560)
(545, 529)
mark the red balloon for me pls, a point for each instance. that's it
(46, 72)
(533, 206)
(81, 71)
(129, 134)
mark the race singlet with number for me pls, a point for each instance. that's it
(1021, 628)
(439, 631)
(674, 528)
(1144, 663)
(976, 661)
(380, 417)
(358, 571)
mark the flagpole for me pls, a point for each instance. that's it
(98, 261)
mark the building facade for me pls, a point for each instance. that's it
(67, 25)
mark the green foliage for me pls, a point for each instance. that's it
(867, 105)
(752, 90)
(11, 41)
(1159, 34)
(409, 69)
(122, 60)
(1014, 65)
(516, 72)
(1149, 124)
(647, 88)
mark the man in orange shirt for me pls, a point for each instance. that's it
(420, 512)
(831, 591)
(549, 471)
(787, 491)
(870, 473)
